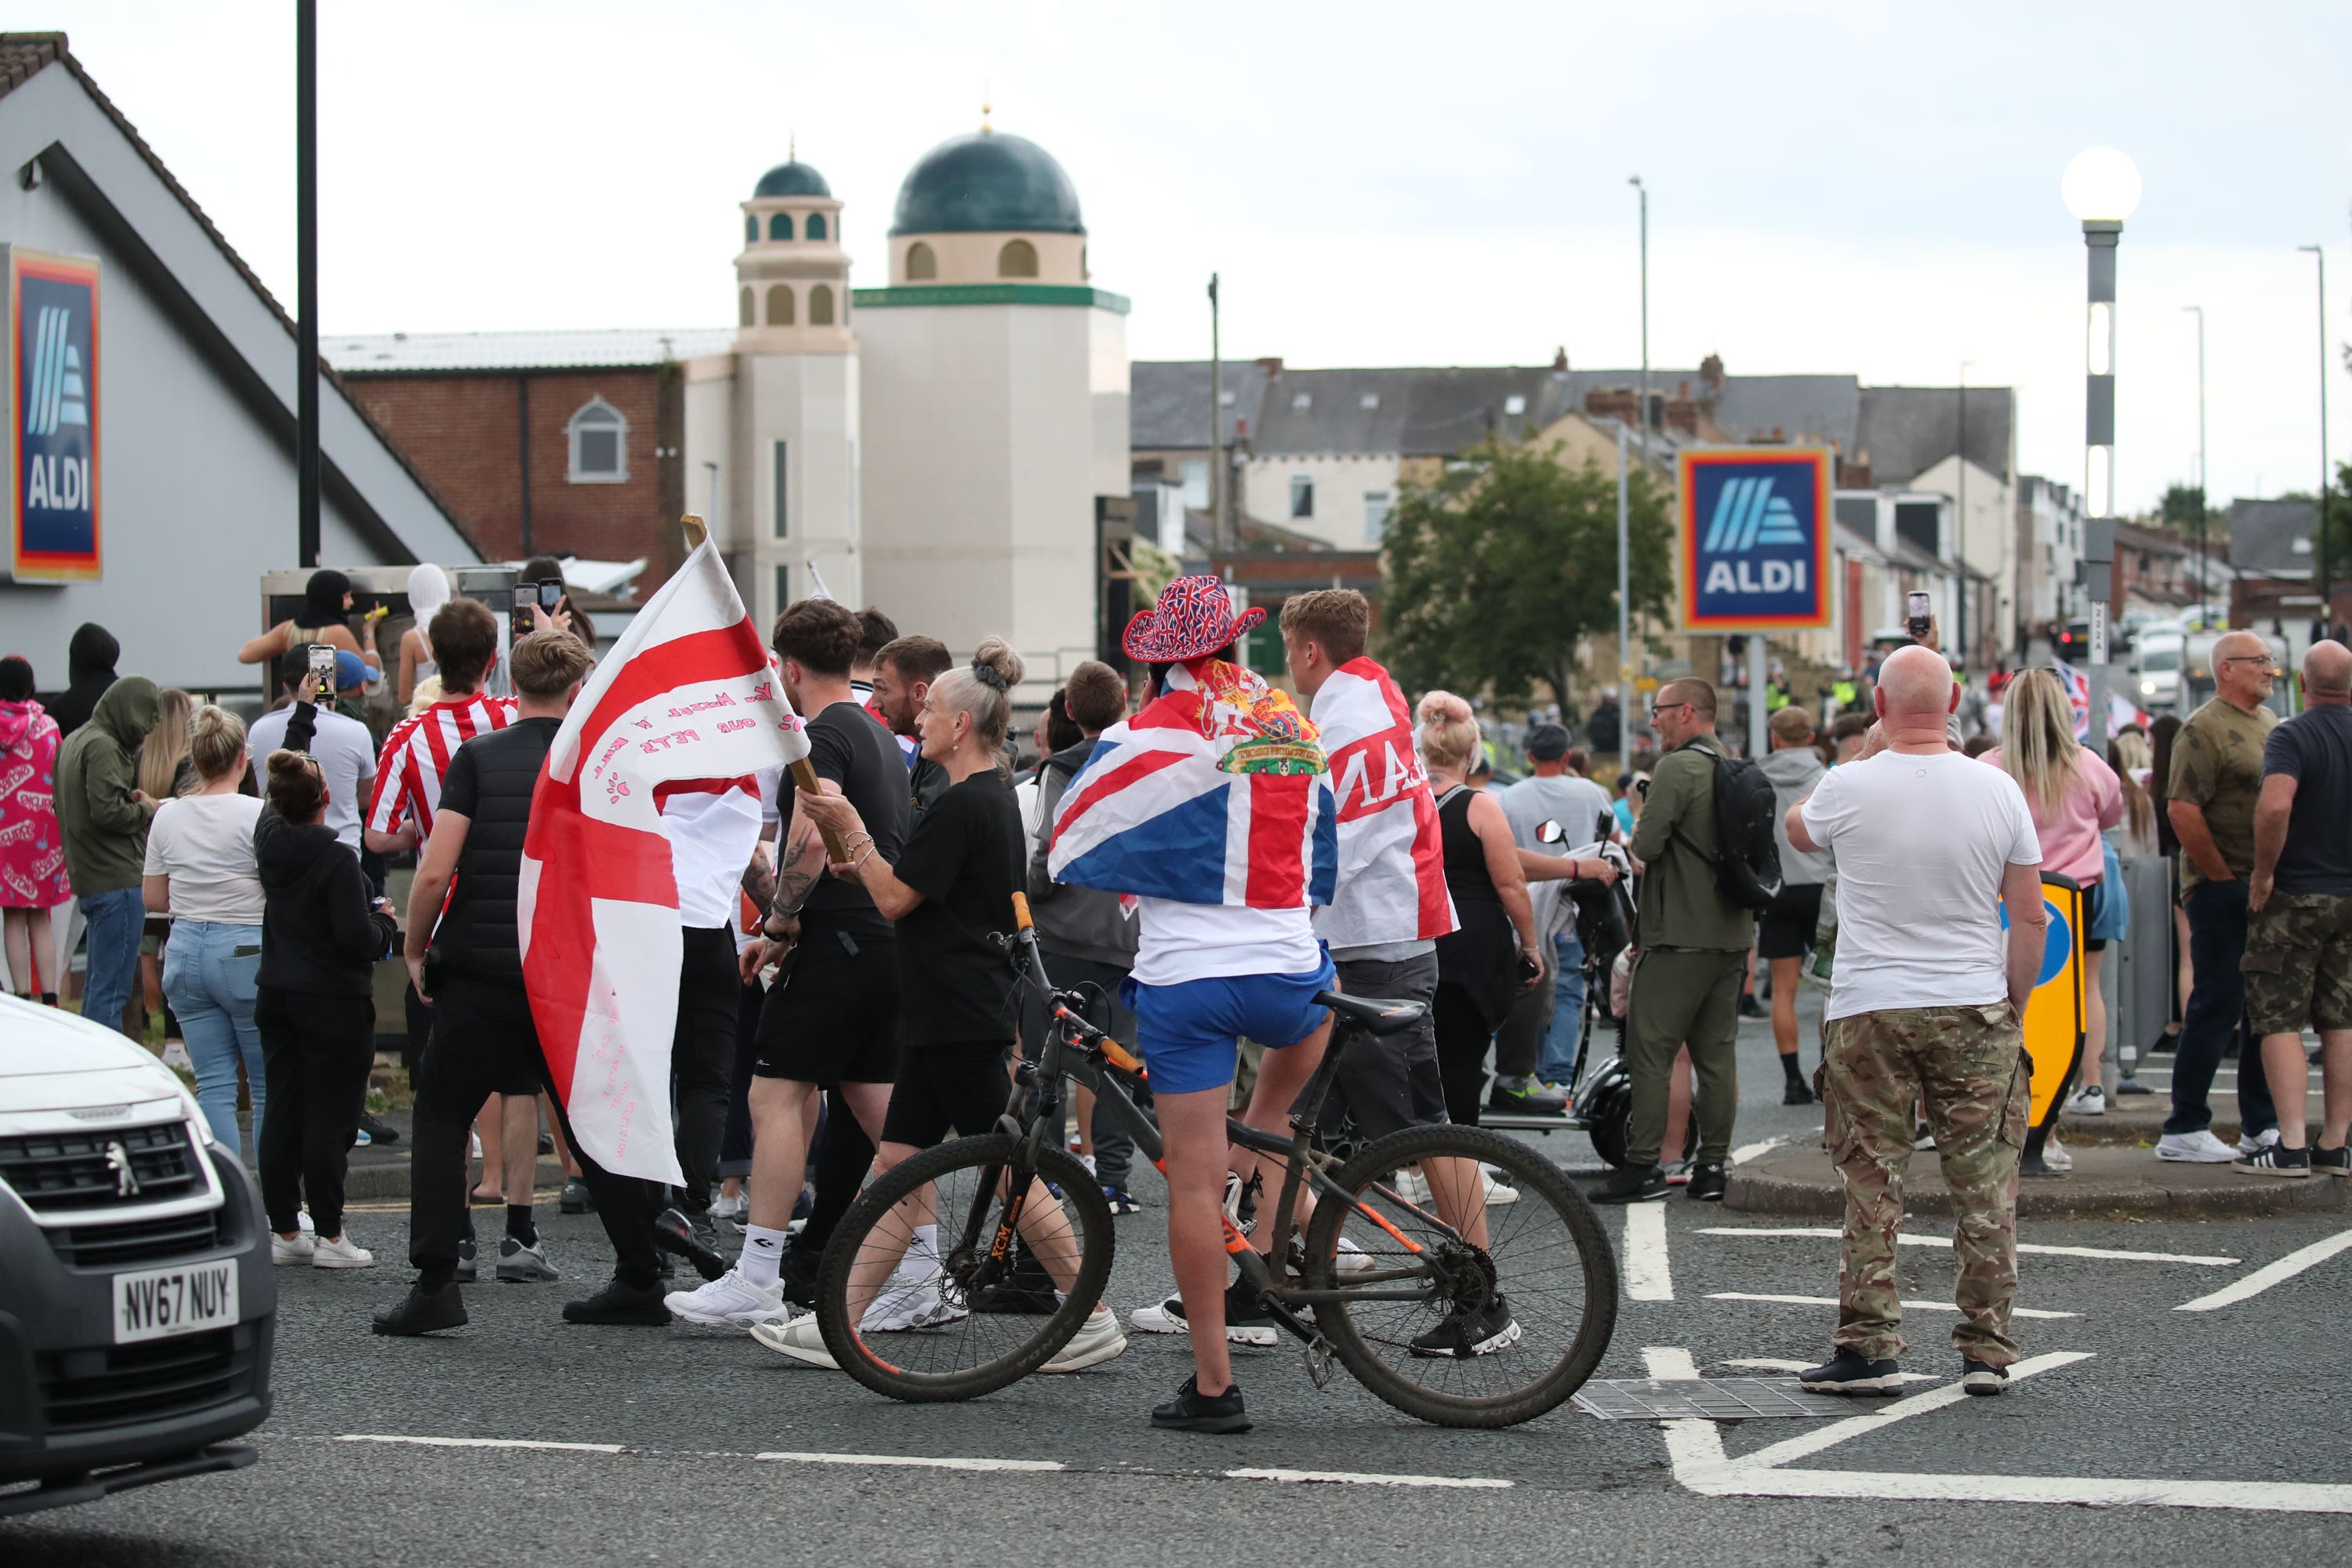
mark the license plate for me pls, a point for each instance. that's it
(157, 1303)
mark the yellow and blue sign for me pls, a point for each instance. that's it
(1754, 538)
(53, 409)
(2054, 1013)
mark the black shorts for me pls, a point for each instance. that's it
(1787, 928)
(832, 1016)
(964, 1086)
(1387, 1083)
(490, 1024)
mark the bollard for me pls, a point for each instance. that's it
(2053, 1016)
(2145, 968)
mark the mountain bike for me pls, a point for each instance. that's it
(1486, 1317)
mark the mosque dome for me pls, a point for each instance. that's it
(986, 183)
(792, 179)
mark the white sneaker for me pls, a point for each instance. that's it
(1353, 1260)
(1412, 1187)
(2253, 1146)
(2092, 1102)
(736, 1208)
(302, 1222)
(1159, 1320)
(730, 1301)
(1088, 1161)
(302, 1249)
(1097, 1341)
(1497, 1194)
(800, 1339)
(2054, 1155)
(909, 1303)
(340, 1252)
(2199, 1148)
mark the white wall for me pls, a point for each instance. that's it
(1341, 484)
(1986, 526)
(810, 402)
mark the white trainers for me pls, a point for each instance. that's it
(1160, 1320)
(1353, 1260)
(1097, 1341)
(282, 1252)
(2197, 1148)
(2054, 1155)
(2250, 1147)
(302, 1222)
(1412, 1187)
(339, 1252)
(2092, 1102)
(800, 1339)
(730, 1301)
(909, 1303)
(736, 1208)
(1497, 1194)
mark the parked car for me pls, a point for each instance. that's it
(2160, 658)
(137, 1306)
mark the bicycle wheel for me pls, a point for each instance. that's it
(1501, 1334)
(987, 1325)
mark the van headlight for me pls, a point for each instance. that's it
(2147, 689)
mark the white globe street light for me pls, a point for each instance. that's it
(2101, 185)
(2102, 188)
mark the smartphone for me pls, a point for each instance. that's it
(526, 595)
(550, 595)
(322, 665)
(1915, 609)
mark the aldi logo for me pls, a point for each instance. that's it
(53, 398)
(1754, 538)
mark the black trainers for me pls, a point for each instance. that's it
(1192, 1411)
(424, 1311)
(1632, 1185)
(520, 1265)
(1848, 1373)
(2336, 1162)
(1525, 1097)
(1027, 1290)
(1246, 1322)
(1464, 1335)
(797, 1275)
(378, 1129)
(1795, 1093)
(2275, 1160)
(621, 1304)
(1120, 1200)
(576, 1198)
(1982, 1380)
(1707, 1185)
(1751, 1008)
(674, 1233)
(468, 1265)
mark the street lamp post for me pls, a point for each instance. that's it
(1624, 617)
(2198, 311)
(306, 282)
(1961, 529)
(2101, 188)
(1216, 421)
(1643, 416)
(2327, 475)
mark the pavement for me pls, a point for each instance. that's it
(2172, 1406)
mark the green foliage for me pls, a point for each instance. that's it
(1496, 571)
(2183, 505)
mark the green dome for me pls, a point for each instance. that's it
(987, 183)
(792, 179)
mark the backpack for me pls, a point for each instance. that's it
(1748, 871)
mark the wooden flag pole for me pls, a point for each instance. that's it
(804, 771)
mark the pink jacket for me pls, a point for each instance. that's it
(2070, 836)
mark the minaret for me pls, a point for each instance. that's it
(792, 281)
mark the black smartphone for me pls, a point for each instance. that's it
(526, 595)
(550, 594)
(1529, 970)
(322, 665)
(1917, 611)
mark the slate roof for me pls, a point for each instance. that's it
(1904, 431)
(1168, 401)
(451, 352)
(2263, 534)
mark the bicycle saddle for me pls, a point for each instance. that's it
(1380, 1017)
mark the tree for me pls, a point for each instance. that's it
(2182, 509)
(1497, 570)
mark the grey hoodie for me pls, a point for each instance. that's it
(1076, 922)
(1794, 771)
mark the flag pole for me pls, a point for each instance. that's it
(804, 771)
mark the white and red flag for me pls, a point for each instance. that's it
(687, 693)
(1392, 862)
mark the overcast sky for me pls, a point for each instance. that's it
(1854, 187)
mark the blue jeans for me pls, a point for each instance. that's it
(209, 974)
(2216, 1012)
(114, 920)
(1567, 1008)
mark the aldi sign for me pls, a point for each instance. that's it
(53, 415)
(1754, 538)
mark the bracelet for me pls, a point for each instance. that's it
(861, 859)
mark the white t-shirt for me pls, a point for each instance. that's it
(1579, 805)
(1178, 941)
(346, 754)
(1922, 842)
(712, 832)
(205, 844)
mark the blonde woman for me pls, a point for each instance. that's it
(2073, 796)
(163, 773)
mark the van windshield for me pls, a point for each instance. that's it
(2160, 658)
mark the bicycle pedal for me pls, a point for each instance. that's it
(1318, 1362)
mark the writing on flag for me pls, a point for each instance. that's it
(1391, 871)
(688, 693)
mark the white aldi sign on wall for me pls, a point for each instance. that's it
(53, 415)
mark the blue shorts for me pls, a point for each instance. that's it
(1190, 1033)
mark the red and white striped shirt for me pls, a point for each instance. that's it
(416, 758)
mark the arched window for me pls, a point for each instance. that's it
(600, 443)
(921, 264)
(1017, 259)
(751, 229)
(743, 312)
(780, 304)
(814, 227)
(780, 226)
(821, 305)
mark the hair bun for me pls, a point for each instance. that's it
(995, 665)
(1443, 707)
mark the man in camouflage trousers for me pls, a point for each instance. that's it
(1934, 851)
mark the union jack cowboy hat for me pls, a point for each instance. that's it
(1194, 617)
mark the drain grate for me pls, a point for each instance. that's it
(1717, 1399)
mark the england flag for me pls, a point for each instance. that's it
(688, 693)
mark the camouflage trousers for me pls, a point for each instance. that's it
(1968, 1064)
(2298, 963)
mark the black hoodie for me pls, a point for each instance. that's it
(89, 670)
(319, 933)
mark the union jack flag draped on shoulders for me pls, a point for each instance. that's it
(1216, 792)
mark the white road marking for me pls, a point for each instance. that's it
(1647, 1277)
(1907, 1306)
(1768, 1364)
(2271, 1274)
(481, 1443)
(1692, 1444)
(1746, 1151)
(1363, 1479)
(914, 1461)
(1885, 1416)
(2115, 1254)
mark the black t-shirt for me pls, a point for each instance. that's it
(846, 746)
(490, 782)
(2314, 748)
(964, 856)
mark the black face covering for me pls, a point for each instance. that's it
(322, 598)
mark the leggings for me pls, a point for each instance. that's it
(317, 1051)
(1463, 1036)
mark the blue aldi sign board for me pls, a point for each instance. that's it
(53, 415)
(1754, 538)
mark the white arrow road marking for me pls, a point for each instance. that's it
(916, 1461)
(1647, 1277)
(2271, 1274)
(2115, 1254)
(1364, 1479)
(1746, 1151)
(1907, 1306)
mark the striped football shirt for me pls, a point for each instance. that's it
(416, 759)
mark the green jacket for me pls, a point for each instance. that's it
(105, 829)
(1681, 905)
